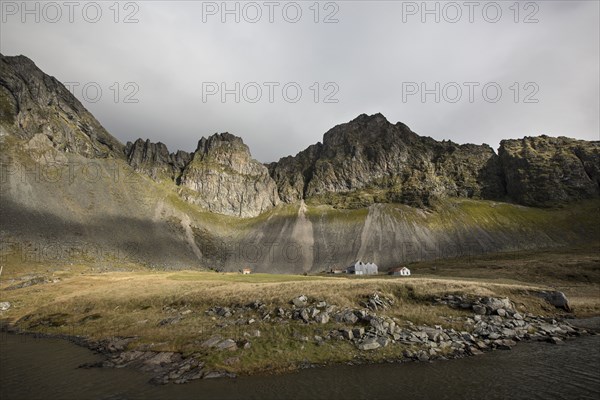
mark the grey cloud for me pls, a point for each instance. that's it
(368, 54)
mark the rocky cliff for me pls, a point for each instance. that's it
(546, 171)
(223, 178)
(32, 102)
(71, 192)
(154, 159)
(387, 162)
(369, 160)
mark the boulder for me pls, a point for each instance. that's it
(358, 332)
(557, 299)
(322, 318)
(555, 340)
(379, 325)
(369, 344)
(494, 304)
(517, 316)
(304, 314)
(479, 309)
(346, 317)
(5, 305)
(347, 333)
(227, 344)
(300, 301)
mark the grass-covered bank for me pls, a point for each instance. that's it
(167, 311)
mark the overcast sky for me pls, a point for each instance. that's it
(378, 57)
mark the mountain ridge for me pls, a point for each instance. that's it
(368, 159)
(67, 184)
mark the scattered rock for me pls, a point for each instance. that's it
(347, 333)
(479, 309)
(358, 332)
(300, 301)
(369, 344)
(227, 344)
(555, 340)
(347, 317)
(218, 374)
(557, 299)
(5, 305)
(322, 318)
(212, 342)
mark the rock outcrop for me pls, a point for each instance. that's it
(32, 103)
(222, 177)
(544, 171)
(66, 182)
(388, 163)
(154, 159)
(370, 160)
(365, 161)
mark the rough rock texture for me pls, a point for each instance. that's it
(369, 160)
(32, 102)
(155, 160)
(224, 178)
(390, 163)
(292, 174)
(102, 211)
(546, 171)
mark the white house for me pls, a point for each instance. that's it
(400, 271)
(361, 268)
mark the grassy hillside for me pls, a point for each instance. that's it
(166, 311)
(51, 197)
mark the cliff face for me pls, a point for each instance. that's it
(390, 163)
(370, 160)
(545, 171)
(154, 159)
(111, 213)
(32, 102)
(362, 162)
(223, 178)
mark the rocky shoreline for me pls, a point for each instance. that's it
(492, 324)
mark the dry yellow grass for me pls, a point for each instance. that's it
(103, 305)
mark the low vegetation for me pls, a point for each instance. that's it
(167, 311)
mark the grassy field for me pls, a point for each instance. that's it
(572, 270)
(81, 301)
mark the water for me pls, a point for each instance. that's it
(47, 369)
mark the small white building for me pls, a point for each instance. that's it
(400, 271)
(361, 268)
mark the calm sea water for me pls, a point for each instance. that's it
(47, 369)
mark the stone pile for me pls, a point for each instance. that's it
(165, 366)
(490, 323)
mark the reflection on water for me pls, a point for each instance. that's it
(47, 369)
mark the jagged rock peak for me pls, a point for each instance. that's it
(32, 103)
(155, 160)
(371, 155)
(224, 178)
(225, 141)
